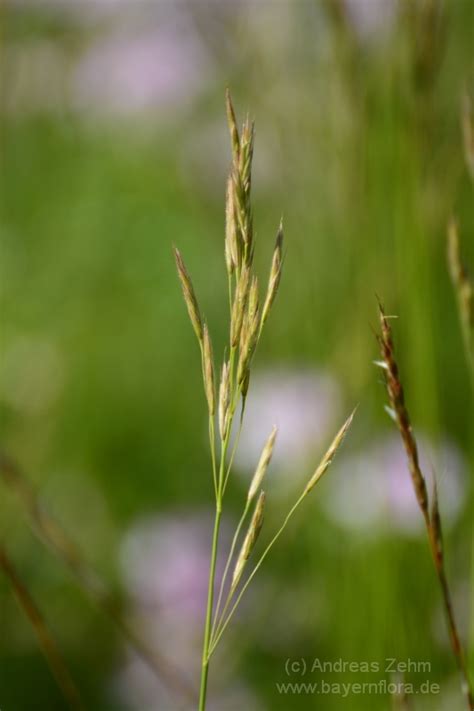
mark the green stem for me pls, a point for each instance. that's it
(227, 565)
(212, 571)
(210, 600)
(234, 449)
(221, 626)
(212, 442)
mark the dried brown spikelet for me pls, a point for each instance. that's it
(262, 465)
(189, 295)
(397, 404)
(208, 371)
(326, 461)
(436, 531)
(275, 274)
(250, 539)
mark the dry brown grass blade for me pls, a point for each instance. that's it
(431, 517)
(45, 640)
(52, 534)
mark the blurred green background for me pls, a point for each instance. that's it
(115, 148)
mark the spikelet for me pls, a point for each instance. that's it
(224, 401)
(249, 333)
(241, 185)
(189, 295)
(232, 246)
(436, 531)
(250, 539)
(275, 275)
(262, 465)
(239, 306)
(234, 133)
(329, 456)
(246, 155)
(208, 371)
(397, 405)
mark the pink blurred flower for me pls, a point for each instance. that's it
(303, 403)
(371, 18)
(377, 489)
(128, 73)
(165, 563)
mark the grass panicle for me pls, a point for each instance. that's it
(431, 514)
(262, 465)
(329, 456)
(246, 325)
(250, 540)
(275, 274)
(189, 295)
(208, 370)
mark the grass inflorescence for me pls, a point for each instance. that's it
(429, 509)
(248, 314)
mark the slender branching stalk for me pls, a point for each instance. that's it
(247, 319)
(45, 640)
(319, 472)
(431, 514)
(50, 532)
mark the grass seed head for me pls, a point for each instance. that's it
(436, 531)
(262, 465)
(275, 274)
(189, 295)
(326, 461)
(232, 246)
(233, 130)
(397, 405)
(208, 370)
(250, 539)
(224, 400)
(239, 306)
(249, 332)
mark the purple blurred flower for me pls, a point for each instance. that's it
(303, 403)
(126, 74)
(377, 487)
(371, 18)
(165, 563)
